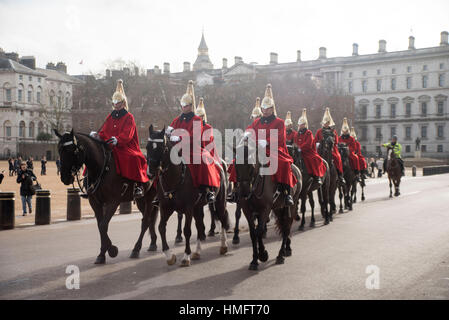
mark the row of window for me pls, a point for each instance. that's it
(8, 94)
(424, 112)
(408, 134)
(22, 129)
(393, 83)
(393, 70)
(408, 148)
(30, 78)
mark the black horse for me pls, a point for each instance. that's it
(325, 151)
(350, 178)
(176, 192)
(107, 189)
(258, 195)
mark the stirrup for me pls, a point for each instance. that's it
(210, 197)
(84, 195)
(138, 193)
(289, 200)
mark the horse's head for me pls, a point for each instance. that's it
(156, 145)
(71, 155)
(344, 151)
(245, 166)
(327, 144)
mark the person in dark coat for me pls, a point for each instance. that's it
(1, 176)
(26, 177)
(43, 166)
(30, 164)
(58, 166)
(11, 166)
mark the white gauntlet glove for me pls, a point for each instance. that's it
(263, 143)
(299, 149)
(317, 145)
(175, 138)
(169, 130)
(113, 141)
(93, 134)
(246, 135)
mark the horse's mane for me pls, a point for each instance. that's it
(98, 141)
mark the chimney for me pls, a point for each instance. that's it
(298, 56)
(29, 62)
(238, 60)
(166, 67)
(225, 63)
(444, 38)
(355, 49)
(61, 67)
(382, 46)
(108, 73)
(273, 58)
(50, 66)
(157, 70)
(13, 56)
(136, 71)
(322, 53)
(411, 43)
(186, 66)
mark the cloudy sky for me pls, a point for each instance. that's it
(153, 32)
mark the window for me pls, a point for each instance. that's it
(408, 109)
(364, 73)
(20, 77)
(8, 95)
(31, 113)
(393, 110)
(39, 80)
(350, 74)
(30, 78)
(408, 133)
(409, 69)
(441, 80)
(424, 67)
(440, 108)
(393, 71)
(29, 96)
(378, 111)
(22, 129)
(350, 86)
(364, 111)
(19, 93)
(38, 97)
(424, 132)
(407, 148)
(31, 130)
(424, 109)
(440, 148)
(364, 86)
(378, 71)
(378, 151)
(378, 133)
(364, 133)
(59, 101)
(52, 100)
(424, 148)
(393, 84)
(66, 102)
(424, 81)
(379, 85)
(392, 132)
(440, 131)
(441, 66)
(409, 82)
(21, 112)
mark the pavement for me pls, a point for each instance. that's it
(384, 249)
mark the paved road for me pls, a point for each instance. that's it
(405, 241)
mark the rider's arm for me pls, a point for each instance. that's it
(128, 131)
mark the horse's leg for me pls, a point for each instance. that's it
(340, 195)
(107, 245)
(391, 191)
(261, 224)
(354, 193)
(396, 187)
(179, 229)
(211, 232)
(284, 223)
(152, 227)
(165, 215)
(303, 212)
(252, 233)
(143, 228)
(200, 228)
(185, 262)
(223, 241)
(312, 209)
(238, 214)
(363, 193)
(98, 209)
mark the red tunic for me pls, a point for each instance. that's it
(314, 163)
(362, 161)
(335, 154)
(290, 136)
(284, 172)
(353, 159)
(232, 173)
(208, 139)
(203, 173)
(130, 161)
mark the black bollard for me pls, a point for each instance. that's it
(73, 204)
(42, 207)
(7, 210)
(125, 207)
(414, 171)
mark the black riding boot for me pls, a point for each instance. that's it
(206, 191)
(317, 180)
(340, 179)
(288, 197)
(138, 191)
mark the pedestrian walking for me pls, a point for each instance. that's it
(373, 165)
(26, 177)
(380, 165)
(43, 166)
(11, 166)
(30, 164)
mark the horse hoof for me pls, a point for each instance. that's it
(280, 260)
(223, 250)
(301, 228)
(195, 256)
(100, 260)
(178, 239)
(263, 256)
(264, 235)
(326, 222)
(185, 263)
(331, 219)
(113, 251)
(288, 252)
(340, 211)
(312, 224)
(350, 208)
(297, 218)
(153, 247)
(211, 233)
(253, 266)
(172, 261)
(363, 198)
(235, 240)
(134, 255)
